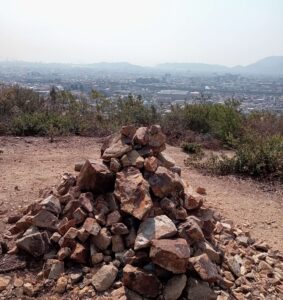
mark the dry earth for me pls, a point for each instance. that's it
(28, 165)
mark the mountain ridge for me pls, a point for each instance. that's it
(272, 65)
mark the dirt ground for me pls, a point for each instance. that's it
(28, 165)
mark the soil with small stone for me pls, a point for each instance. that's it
(143, 233)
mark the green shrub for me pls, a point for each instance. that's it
(256, 155)
(191, 148)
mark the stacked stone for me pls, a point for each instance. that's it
(133, 219)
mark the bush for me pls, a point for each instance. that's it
(191, 148)
(256, 155)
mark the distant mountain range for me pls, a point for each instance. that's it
(272, 66)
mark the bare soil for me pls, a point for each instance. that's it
(28, 165)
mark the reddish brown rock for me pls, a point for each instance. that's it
(117, 243)
(64, 253)
(65, 225)
(104, 277)
(191, 230)
(35, 244)
(201, 190)
(103, 240)
(82, 235)
(141, 136)
(115, 165)
(113, 218)
(128, 131)
(66, 183)
(96, 178)
(192, 201)
(79, 254)
(132, 158)
(91, 226)
(171, 255)
(70, 208)
(165, 183)
(68, 240)
(140, 281)
(132, 190)
(151, 164)
(156, 137)
(86, 200)
(205, 268)
(79, 215)
(119, 228)
(52, 204)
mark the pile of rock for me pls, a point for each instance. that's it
(140, 230)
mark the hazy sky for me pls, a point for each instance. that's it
(143, 32)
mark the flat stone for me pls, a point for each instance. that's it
(45, 219)
(116, 149)
(171, 255)
(154, 228)
(132, 191)
(175, 287)
(113, 218)
(141, 281)
(103, 279)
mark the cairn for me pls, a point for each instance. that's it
(140, 230)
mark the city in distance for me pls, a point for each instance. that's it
(258, 86)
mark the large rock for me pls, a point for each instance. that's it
(205, 268)
(191, 230)
(175, 287)
(96, 178)
(104, 277)
(156, 137)
(141, 281)
(128, 131)
(171, 255)
(165, 183)
(141, 136)
(115, 148)
(35, 244)
(151, 164)
(132, 190)
(154, 228)
(45, 219)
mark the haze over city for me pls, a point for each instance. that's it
(141, 32)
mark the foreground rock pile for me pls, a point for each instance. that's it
(129, 227)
